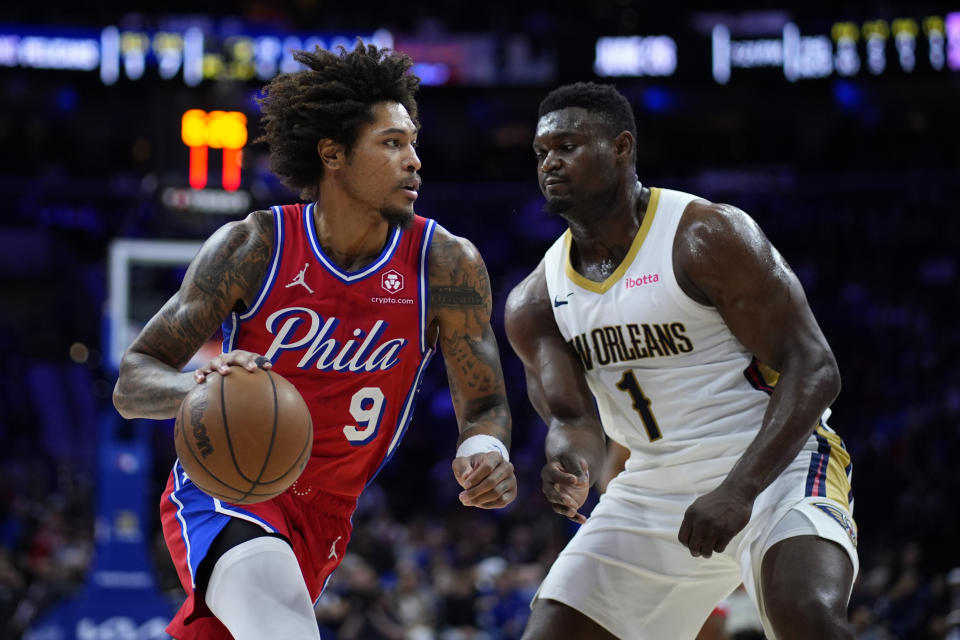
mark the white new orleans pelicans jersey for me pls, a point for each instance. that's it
(674, 385)
(671, 381)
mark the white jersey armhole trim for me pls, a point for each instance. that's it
(675, 290)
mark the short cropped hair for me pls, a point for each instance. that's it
(331, 99)
(601, 99)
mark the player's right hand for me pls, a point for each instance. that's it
(225, 361)
(566, 485)
(487, 479)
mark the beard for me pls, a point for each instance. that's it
(592, 206)
(558, 205)
(398, 217)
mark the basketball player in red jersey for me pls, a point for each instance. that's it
(347, 297)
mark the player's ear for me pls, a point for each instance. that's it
(623, 144)
(331, 153)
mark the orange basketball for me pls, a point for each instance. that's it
(244, 437)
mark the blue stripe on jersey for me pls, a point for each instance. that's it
(327, 581)
(202, 518)
(229, 326)
(424, 251)
(405, 414)
(849, 472)
(183, 522)
(818, 468)
(229, 329)
(344, 276)
(426, 352)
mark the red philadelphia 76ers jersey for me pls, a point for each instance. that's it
(353, 343)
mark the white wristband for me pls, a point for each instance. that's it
(482, 443)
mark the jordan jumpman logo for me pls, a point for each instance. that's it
(333, 549)
(300, 279)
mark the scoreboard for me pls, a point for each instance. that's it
(712, 47)
(732, 47)
(191, 52)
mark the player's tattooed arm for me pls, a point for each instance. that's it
(461, 303)
(223, 277)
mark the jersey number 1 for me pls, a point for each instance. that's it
(641, 404)
(366, 407)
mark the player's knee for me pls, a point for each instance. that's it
(257, 591)
(265, 566)
(816, 614)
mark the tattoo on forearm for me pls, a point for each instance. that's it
(476, 362)
(492, 413)
(491, 408)
(227, 273)
(460, 295)
(148, 388)
(159, 403)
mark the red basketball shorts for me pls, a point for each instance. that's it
(316, 525)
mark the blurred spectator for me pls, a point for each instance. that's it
(414, 602)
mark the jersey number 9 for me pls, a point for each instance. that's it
(366, 407)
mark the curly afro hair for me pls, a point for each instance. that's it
(329, 99)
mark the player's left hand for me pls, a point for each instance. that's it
(711, 522)
(566, 485)
(487, 479)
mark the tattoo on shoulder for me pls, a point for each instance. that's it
(224, 278)
(237, 266)
(455, 297)
(457, 279)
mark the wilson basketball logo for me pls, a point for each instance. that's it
(200, 435)
(392, 281)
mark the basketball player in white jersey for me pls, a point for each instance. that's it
(672, 326)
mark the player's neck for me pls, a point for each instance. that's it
(351, 238)
(597, 234)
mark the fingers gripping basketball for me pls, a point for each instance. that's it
(244, 437)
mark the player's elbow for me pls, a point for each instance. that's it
(828, 376)
(120, 400)
(121, 396)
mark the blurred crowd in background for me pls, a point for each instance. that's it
(855, 180)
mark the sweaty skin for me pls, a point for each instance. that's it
(721, 259)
